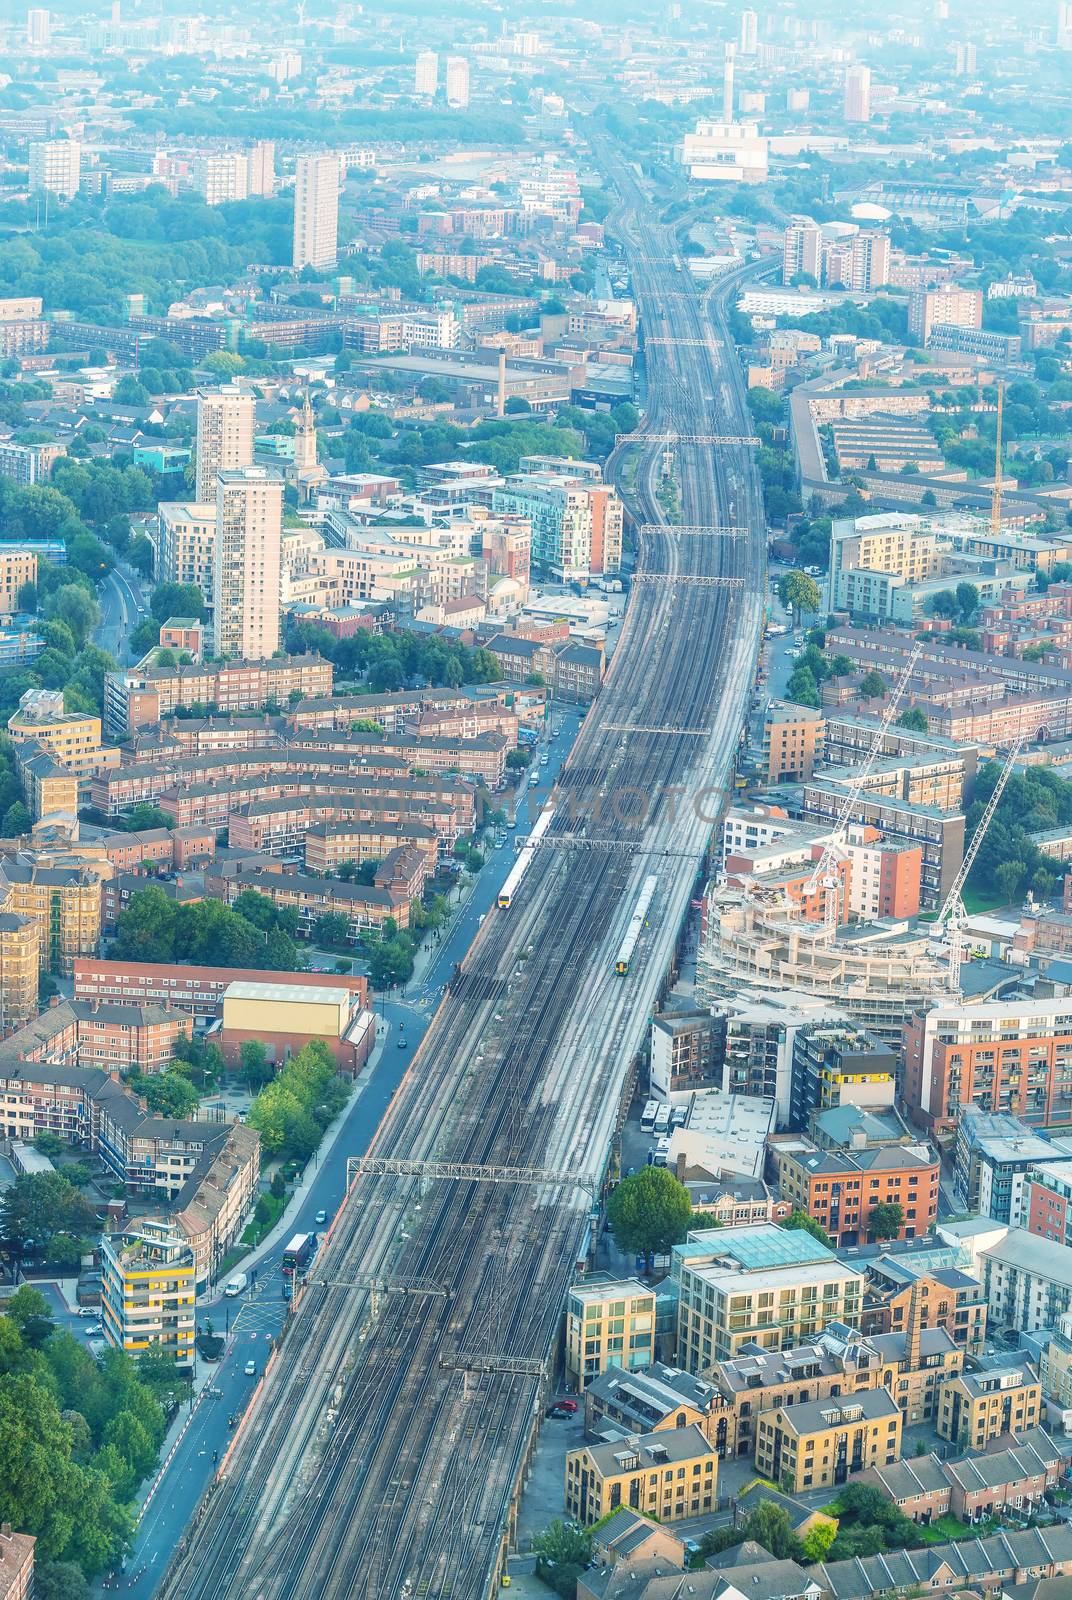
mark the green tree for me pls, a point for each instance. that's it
(16, 820)
(815, 1545)
(801, 1220)
(563, 1550)
(799, 592)
(802, 688)
(769, 1526)
(177, 600)
(43, 1206)
(967, 596)
(75, 606)
(145, 930)
(1009, 879)
(169, 1094)
(872, 685)
(59, 1580)
(649, 1212)
(886, 1220)
(257, 1070)
(331, 928)
(913, 719)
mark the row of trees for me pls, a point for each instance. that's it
(252, 933)
(385, 662)
(79, 1434)
(292, 1111)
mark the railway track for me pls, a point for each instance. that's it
(381, 1453)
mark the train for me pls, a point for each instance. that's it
(521, 865)
(636, 923)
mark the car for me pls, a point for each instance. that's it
(557, 1412)
(251, 1369)
(89, 1311)
(95, 1330)
(320, 1217)
(401, 1043)
(565, 1403)
(692, 1547)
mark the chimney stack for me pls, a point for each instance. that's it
(727, 84)
(915, 1324)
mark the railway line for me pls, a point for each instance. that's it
(381, 1453)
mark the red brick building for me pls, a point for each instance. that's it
(198, 990)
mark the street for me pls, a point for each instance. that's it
(123, 604)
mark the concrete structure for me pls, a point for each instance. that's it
(222, 177)
(833, 1064)
(686, 1052)
(840, 1190)
(316, 211)
(457, 82)
(576, 525)
(725, 152)
(224, 442)
(669, 1474)
(186, 536)
(608, 1324)
(1012, 1058)
(757, 1284)
(136, 699)
(992, 1154)
(285, 1017)
(976, 1408)
(18, 566)
(148, 1291)
(426, 74)
(246, 566)
(818, 1445)
(946, 306)
(858, 94)
(55, 168)
(792, 741)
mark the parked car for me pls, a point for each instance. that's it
(89, 1311)
(320, 1217)
(557, 1412)
(565, 1403)
(95, 1330)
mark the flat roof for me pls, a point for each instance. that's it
(292, 993)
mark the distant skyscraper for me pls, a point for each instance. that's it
(965, 65)
(947, 306)
(457, 82)
(802, 249)
(223, 177)
(749, 33)
(224, 437)
(1064, 25)
(247, 563)
(316, 211)
(55, 167)
(38, 29)
(797, 99)
(858, 94)
(727, 84)
(426, 74)
(261, 168)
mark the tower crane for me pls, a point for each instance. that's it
(953, 914)
(826, 875)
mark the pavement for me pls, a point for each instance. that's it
(199, 1437)
(123, 603)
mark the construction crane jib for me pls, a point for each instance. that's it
(826, 874)
(951, 918)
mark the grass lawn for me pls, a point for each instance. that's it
(977, 900)
(945, 1530)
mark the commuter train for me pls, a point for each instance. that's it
(636, 923)
(521, 865)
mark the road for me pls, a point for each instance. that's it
(257, 1316)
(123, 605)
(382, 1452)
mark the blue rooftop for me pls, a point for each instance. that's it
(764, 1246)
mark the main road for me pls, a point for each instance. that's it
(381, 1452)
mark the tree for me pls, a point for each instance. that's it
(802, 688)
(60, 1580)
(799, 592)
(331, 928)
(16, 820)
(649, 1212)
(43, 1206)
(913, 719)
(967, 596)
(75, 606)
(872, 685)
(886, 1220)
(816, 1543)
(769, 1526)
(257, 1070)
(801, 1220)
(169, 1094)
(145, 930)
(563, 1550)
(177, 600)
(942, 604)
(1009, 879)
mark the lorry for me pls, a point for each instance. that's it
(236, 1285)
